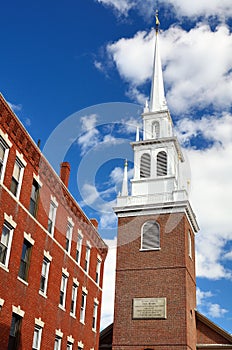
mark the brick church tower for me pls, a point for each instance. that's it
(155, 296)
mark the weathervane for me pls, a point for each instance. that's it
(157, 22)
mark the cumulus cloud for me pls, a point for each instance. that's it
(196, 63)
(182, 8)
(90, 135)
(211, 309)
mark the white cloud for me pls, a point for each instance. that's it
(191, 9)
(216, 311)
(196, 64)
(15, 107)
(90, 136)
(211, 309)
(109, 283)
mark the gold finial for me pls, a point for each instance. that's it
(157, 22)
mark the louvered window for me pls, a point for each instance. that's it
(162, 163)
(150, 236)
(155, 130)
(145, 165)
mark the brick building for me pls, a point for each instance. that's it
(155, 292)
(51, 255)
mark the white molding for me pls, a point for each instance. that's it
(75, 281)
(37, 179)
(80, 344)
(2, 301)
(84, 289)
(65, 272)
(47, 255)
(17, 310)
(28, 237)
(10, 220)
(59, 333)
(39, 322)
(99, 258)
(5, 138)
(80, 233)
(96, 301)
(70, 339)
(21, 158)
(54, 200)
(70, 221)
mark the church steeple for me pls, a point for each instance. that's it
(157, 99)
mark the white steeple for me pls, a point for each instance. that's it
(157, 99)
(125, 181)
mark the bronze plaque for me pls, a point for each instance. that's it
(149, 308)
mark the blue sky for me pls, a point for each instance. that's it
(77, 73)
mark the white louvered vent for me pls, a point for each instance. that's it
(145, 165)
(162, 163)
(150, 236)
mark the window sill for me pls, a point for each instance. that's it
(94, 330)
(149, 250)
(72, 315)
(43, 294)
(83, 322)
(4, 267)
(22, 280)
(62, 307)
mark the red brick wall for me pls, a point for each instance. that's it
(168, 272)
(15, 292)
(206, 335)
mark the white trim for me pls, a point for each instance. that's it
(28, 237)
(70, 339)
(2, 301)
(21, 158)
(99, 258)
(96, 301)
(80, 344)
(10, 220)
(37, 179)
(54, 200)
(70, 221)
(84, 290)
(80, 232)
(39, 322)
(59, 333)
(88, 244)
(47, 255)
(75, 281)
(5, 138)
(17, 310)
(65, 272)
(22, 280)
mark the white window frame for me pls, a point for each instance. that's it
(95, 313)
(52, 215)
(47, 261)
(69, 233)
(87, 256)
(74, 298)
(69, 345)
(98, 270)
(21, 165)
(190, 245)
(9, 225)
(83, 305)
(6, 145)
(142, 237)
(63, 289)
(57, 344)
(37, 337)
(79, 246)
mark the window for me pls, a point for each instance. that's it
(25, 260)
(74, 299)
(87, 258)
(79, 246)
(44, 275)
(15, 328)
(4, 150)
(63, 288)
(150, 236)
(52, 217)
(83, 307)
(189, 244)
(5, 244)
(17, 177)
(37, 338)
(57, 344)
(98, 271)
(69, 237)
(155, 130)
(69, 346)
(94, 323)
(34, 197)
(145, 166)
(162, 163)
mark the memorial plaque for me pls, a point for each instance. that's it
(149, 308)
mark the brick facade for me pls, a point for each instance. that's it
(22, 296)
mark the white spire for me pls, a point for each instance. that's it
(125, 181)
(157, 100)
(137, 133)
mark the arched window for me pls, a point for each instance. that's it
(155, 130)
(145, 165)
(162, 163)
(150, 236)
